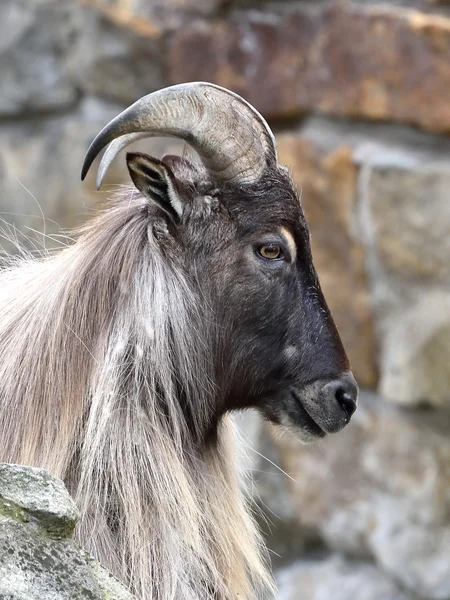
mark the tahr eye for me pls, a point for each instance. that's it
(271, 252)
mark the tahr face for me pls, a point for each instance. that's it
(274, 344)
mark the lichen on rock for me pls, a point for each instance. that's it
(38, 558)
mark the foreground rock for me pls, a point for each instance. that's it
(38, 559)
(336, 578)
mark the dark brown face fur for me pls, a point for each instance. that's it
(275, 345)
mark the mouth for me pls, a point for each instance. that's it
(307, 422)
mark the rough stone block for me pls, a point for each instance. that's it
(118, 61)
(347, 59)
(157, 13)
(405, 223)
(415, 351)
(410, 209)
(40, 166)
(40, 186)
(38, 560)
(35, 42)
(33, 495)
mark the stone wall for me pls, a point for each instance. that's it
(358, 93)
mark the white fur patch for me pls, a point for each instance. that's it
(290, 352)
(289, 239)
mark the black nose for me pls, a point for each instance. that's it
(345, 392)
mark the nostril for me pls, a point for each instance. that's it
(338, 401)
(346, 402)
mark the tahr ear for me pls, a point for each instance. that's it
(156, 182)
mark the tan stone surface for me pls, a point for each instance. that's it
(123, 15)
(327, 183)
(146, 16)
(406, 225)
(411, 220)
(415, 351)
(345, 59)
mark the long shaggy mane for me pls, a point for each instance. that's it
(106, 380)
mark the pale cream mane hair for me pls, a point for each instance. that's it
(91, 340)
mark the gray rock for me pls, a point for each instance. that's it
(405, 222)
(113, 61)
(415, 351)
(36, 39)
(410, 209)
(38, 559)
(33, 495)
(40, 186)
(336, 578)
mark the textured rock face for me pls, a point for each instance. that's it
(353, 59)
(411, 216)
(405, 223)
(345, 59)
(115, 62)
(33, 495)
(415, 351)
(37, 556)
(35, 43)
(164, 13)
(40, 167)
(40, 173)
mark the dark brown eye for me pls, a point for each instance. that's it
(270, 252)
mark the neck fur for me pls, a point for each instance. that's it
(105, 380)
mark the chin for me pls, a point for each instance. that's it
(296, 433)
(291, 421)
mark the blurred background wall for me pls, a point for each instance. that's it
(358, 93)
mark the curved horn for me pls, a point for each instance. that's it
(113, 150)
(232, 139)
